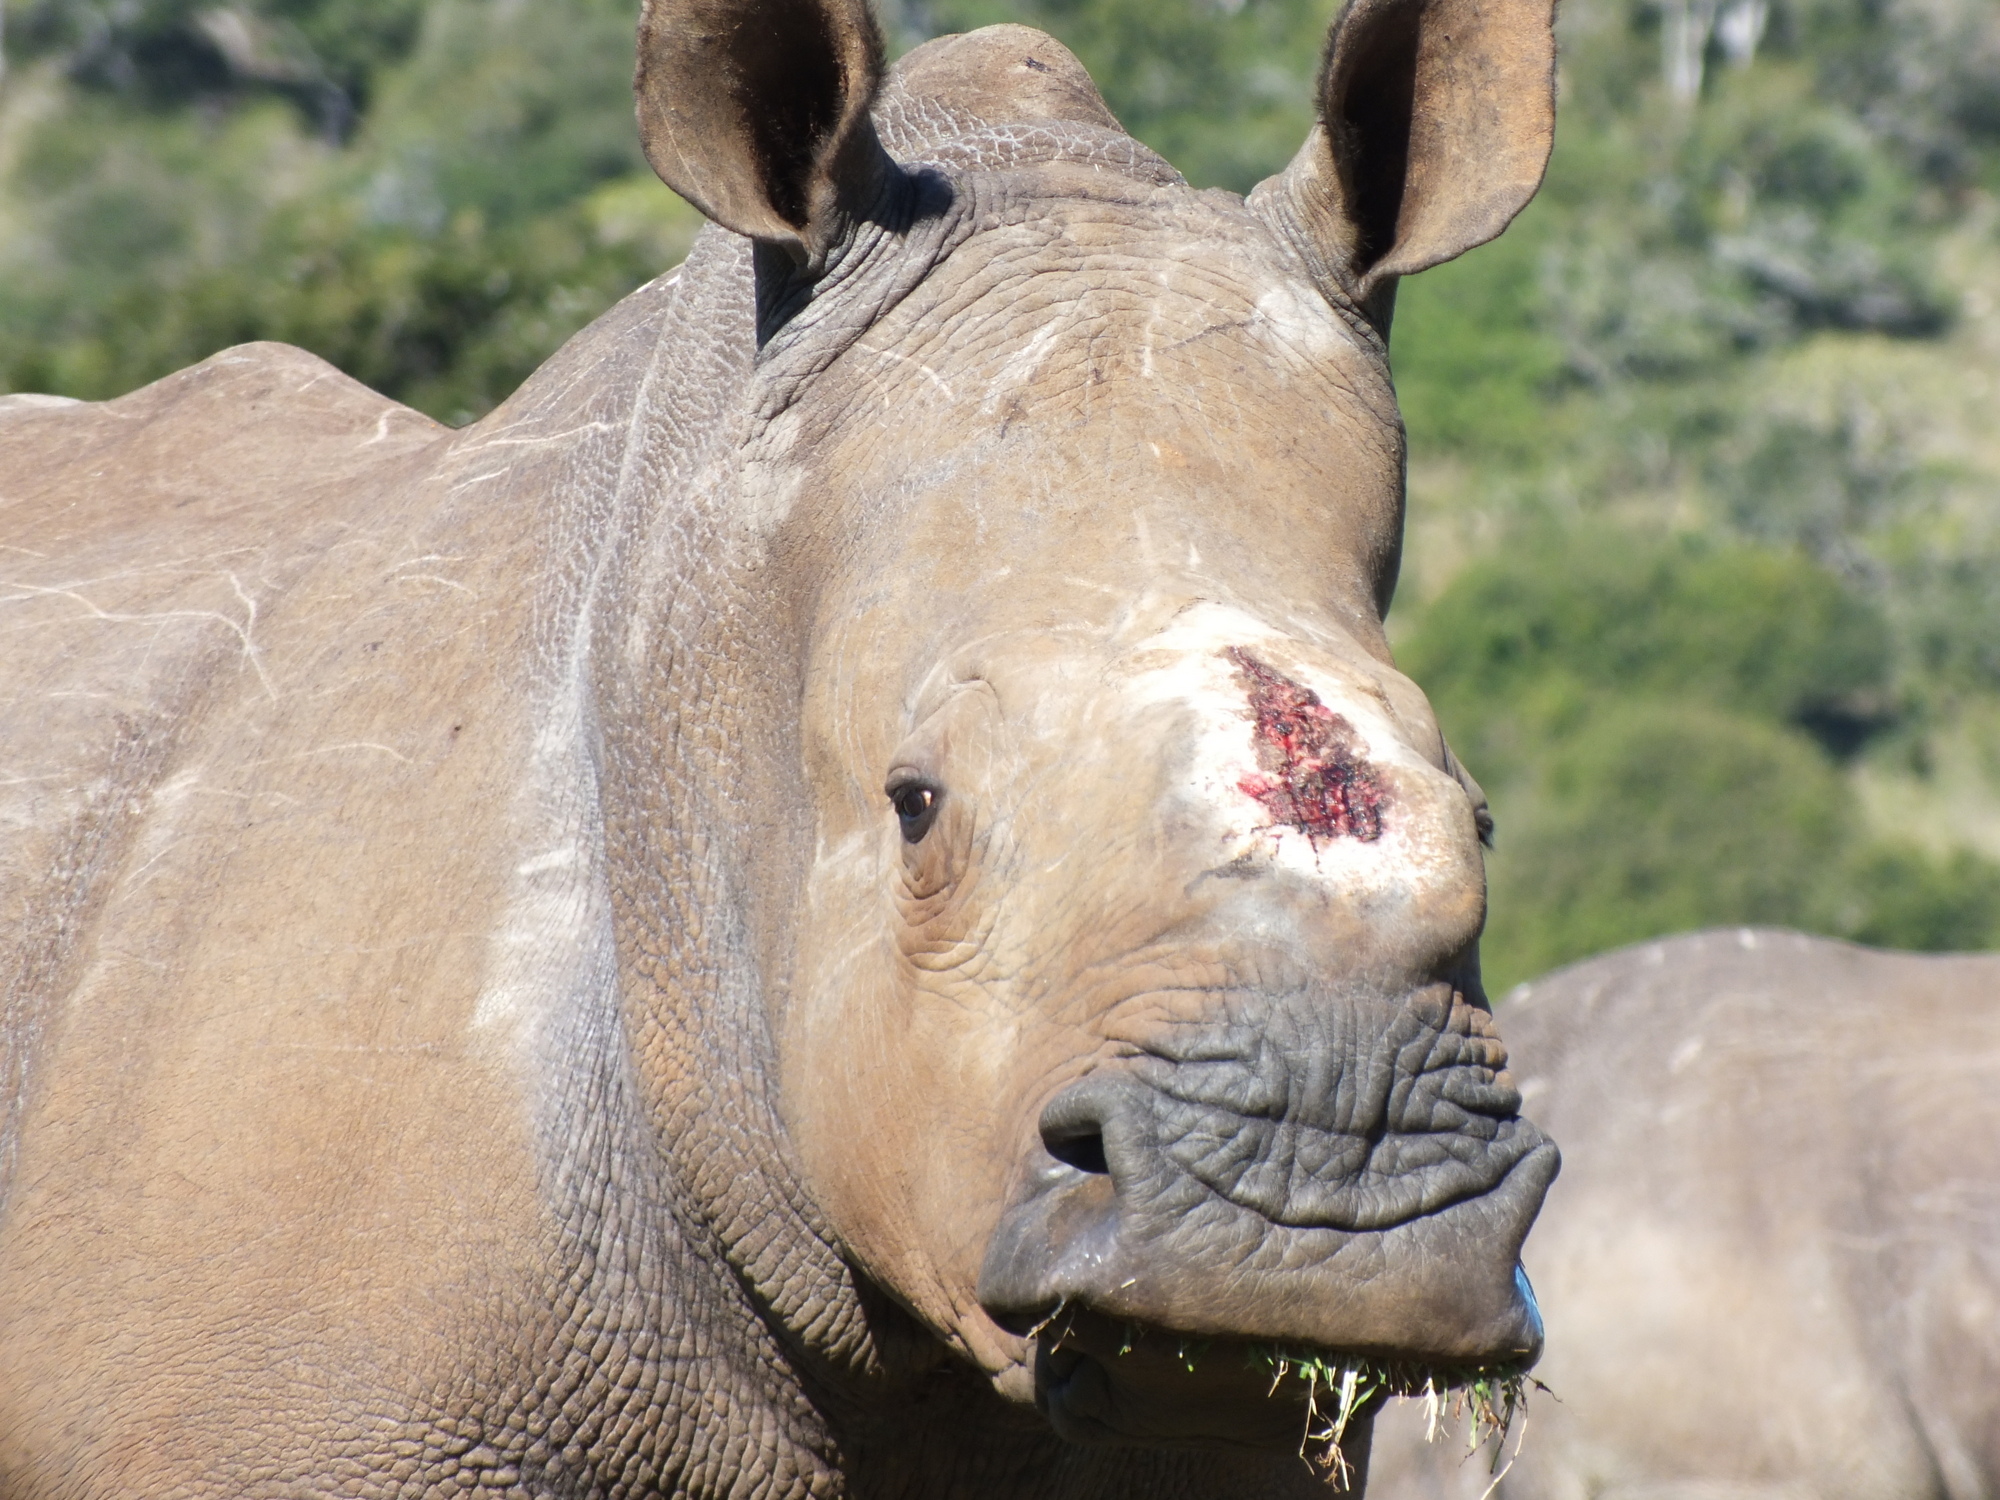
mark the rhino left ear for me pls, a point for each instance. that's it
(1436, 119)
(756, 112)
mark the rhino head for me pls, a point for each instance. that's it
(1133, 1001)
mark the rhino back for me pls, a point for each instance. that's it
(1769, 1265)
(147, 542)
(187, 567)
(246, 736)
(280, 667)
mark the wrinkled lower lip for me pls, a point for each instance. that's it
(1440, 1291)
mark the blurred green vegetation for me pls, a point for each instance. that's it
(175, 179)
(1704, 562)
(1705, 558)
(1667, 721)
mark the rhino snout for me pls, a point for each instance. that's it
(1348, 1175)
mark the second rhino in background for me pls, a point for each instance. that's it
(1772, 1264)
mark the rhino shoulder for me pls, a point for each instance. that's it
(256, 419)
(150, 543)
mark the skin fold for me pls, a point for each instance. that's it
(840, 898)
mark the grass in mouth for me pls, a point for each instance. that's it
(1486, 1398)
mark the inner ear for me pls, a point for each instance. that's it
(1435, 122)
(1371, 94)
(787, 91)
(756, 112)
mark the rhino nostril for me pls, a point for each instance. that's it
(1076, 1123)
(1083, 1151)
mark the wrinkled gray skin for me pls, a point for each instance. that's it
(1772, 1266)
(649, 945)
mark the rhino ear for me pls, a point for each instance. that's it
(1436, 118)
(756, 112)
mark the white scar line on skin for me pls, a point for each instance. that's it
(467, 480)
(345, 745)
(1021, 365)
(545, 439)
(33, 780)
(1093, 586)
(435, 578)
(894, 354)
(340, 748)
(242, 629)
(559, 858)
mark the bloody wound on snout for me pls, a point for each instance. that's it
(1310, 775)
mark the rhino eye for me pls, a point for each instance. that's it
(916, 808)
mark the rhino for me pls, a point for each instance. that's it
(839, 898)
(1771, 1269)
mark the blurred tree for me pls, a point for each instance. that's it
(1677, 727)
(1607, 609)
(1659, 721)
(1652, 816)
(492, 201)
(322, 55)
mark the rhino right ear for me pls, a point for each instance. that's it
(1436, 119)
(756, 112)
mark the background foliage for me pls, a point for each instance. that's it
(1704, 568)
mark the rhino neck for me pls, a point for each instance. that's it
(665, 834)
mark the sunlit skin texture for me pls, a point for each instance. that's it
(1213, 409)
(560, 956)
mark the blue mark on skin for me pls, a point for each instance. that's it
(1528, 1296)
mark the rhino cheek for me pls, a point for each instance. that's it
(889, 1096)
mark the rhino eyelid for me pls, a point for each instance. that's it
(916, 802)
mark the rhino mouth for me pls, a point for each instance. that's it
(1345, 1175)
(1101, 1381)
(1105, 1381)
